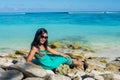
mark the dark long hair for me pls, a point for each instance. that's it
(36, 42)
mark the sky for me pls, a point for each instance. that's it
(58, 5)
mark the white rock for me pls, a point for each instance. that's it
(81, 73)
(116, 76)
(88, 79)
(33, 78)
(50, 72)
(7, 65)
(5, 60)
(98, 77)
(94, 72)
(58, 77)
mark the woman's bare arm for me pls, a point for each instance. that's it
(31, 54)
(55, 52)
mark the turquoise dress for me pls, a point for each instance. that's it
(50, 61)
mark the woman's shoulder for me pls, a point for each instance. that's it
(34, 49)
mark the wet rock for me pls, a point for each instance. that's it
(117, 59)
(87, 77)
(97, 77)
(57, 45)
(4, 52)
(87, 48)
(95, 64)
(65, 70)
(2, 70)
(70, 46)
(58, 77)
(113, 66)
(75, 56)
(33, 78)
(53, 46)
(21, 60)
(99, 68)
(22, 52)
(95, 72)
(96, 67)
(107, 76)
(74, 74)
(11, 75)
(88, 55)
(15, 56)
(77, 75)
(76, 47)
(29, 69)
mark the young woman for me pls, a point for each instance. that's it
(40, 50)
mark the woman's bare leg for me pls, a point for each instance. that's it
(78, 63)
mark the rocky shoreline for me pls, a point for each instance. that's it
(13, 65)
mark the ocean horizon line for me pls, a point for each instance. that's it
(71, 12)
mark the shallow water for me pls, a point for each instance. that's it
(98, 30)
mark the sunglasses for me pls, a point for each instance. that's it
(44, 37)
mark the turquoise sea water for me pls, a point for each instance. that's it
(98, 30)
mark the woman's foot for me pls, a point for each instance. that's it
(78, 63)
(85, 65)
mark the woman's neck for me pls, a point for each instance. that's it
(42, 47)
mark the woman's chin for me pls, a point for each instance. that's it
(42, 42)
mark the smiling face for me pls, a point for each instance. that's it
(43, 38)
